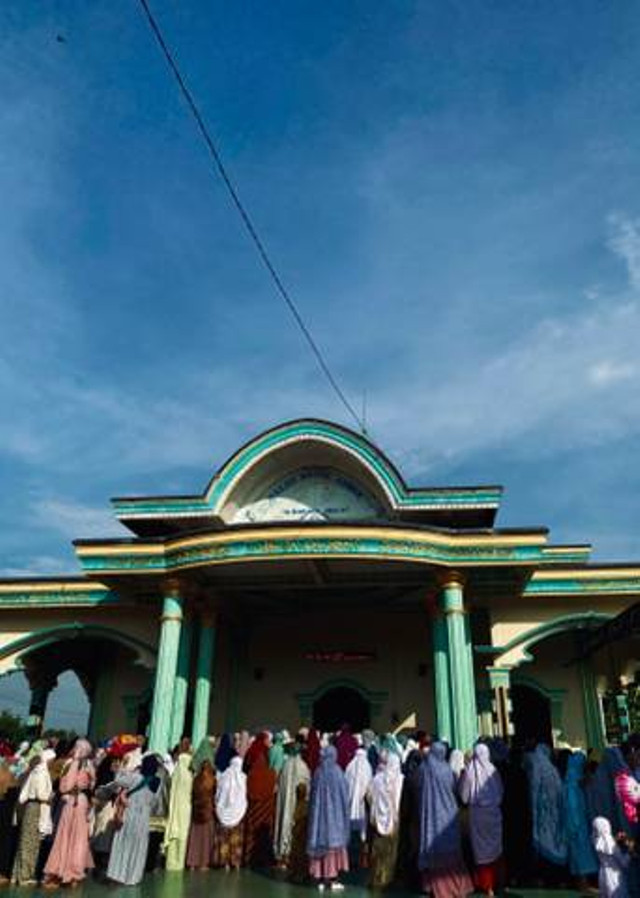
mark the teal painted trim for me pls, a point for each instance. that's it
(382, 469)
(441, 683)
(247, 549)
(576, 586)
(593, 719)
(551, 628)
(48, 635)
(181, 685)
(23, 598)
(204, 676)
(160, 727)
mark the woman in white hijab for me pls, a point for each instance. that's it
(35, 818)
(231, 808)
(294, 773)
(385, 792)
(359, 776)
(612, 877)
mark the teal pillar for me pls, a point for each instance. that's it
(593, 720)
(206, 649)
(161, 711)
(442, 686)
(464, 716)
(181, 684)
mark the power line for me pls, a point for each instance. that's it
(244, 215)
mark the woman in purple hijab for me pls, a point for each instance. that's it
(328, 830)
(481, 788)
(440, 858)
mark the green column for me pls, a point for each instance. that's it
(442, 686)
(591, 703)
(181, 685)
(464, 716)
(171, 625)
(206, 645)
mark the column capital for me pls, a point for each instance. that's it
(448, 578)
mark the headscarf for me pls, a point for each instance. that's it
(582, 860)
(7, 779)
(261, 780)
(131, 761)
(225, 753)
(359, 776)
(386, 792)
(204, 786)
(412, 762)
(346, 746)
(37, 787)
(276, 753)
(481, 788)
(149, 772)
(294, 774)
(311, 752)
(328, 823)
(439, 824)
(179, 819)
(603, 791)
(231, 794)
(481, 783)
(203, 753)
(545, 786)
(603, 840)
(456, 762)
(81, 750)
(259, 746)
(242, 741)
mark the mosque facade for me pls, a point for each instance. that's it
(308, 584)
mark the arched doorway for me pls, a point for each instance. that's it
(341, 705)
(531, 715)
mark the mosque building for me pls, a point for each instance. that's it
(308, 584)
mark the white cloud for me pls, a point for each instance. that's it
(608, 372)
(624, 240)
(40, 565)
(75, 520)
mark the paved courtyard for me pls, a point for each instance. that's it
(241, 885)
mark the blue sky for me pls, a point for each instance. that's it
(450, 189)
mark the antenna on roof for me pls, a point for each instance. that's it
(363, 417)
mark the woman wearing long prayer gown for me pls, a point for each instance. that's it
(231, 808)
(440, 857)
(346, 746)
(202, 832)
(179, 820)
(34, 812)
(294, 773)
(8, 833)
(614, 862)
(136, 793)
(481, 789)
(385, 793)
(261, 794)
(582, 859)
(311, 751)
(549, 837)
(70, 856)
(409, 837)
(604, 798)
(277, 755)
(329, 824)
(359, 776)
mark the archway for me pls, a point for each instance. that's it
(341, 705)
(531, 715)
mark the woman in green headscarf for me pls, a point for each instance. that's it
(277, 755)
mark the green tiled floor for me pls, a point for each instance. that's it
(233, 885)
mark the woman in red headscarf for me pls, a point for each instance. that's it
(261, 793)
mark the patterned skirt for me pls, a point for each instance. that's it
(24, 866)
(228, 845)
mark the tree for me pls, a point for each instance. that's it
(13, 728)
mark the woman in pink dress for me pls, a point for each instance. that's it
(70, 856)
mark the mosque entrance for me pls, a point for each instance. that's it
(531, 715)
(341, 705)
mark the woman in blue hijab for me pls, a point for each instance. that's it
(440, 857)
(329, 826)
(582, 857)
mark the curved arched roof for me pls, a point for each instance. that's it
(356, 450)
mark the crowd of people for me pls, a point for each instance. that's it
(321, 808)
